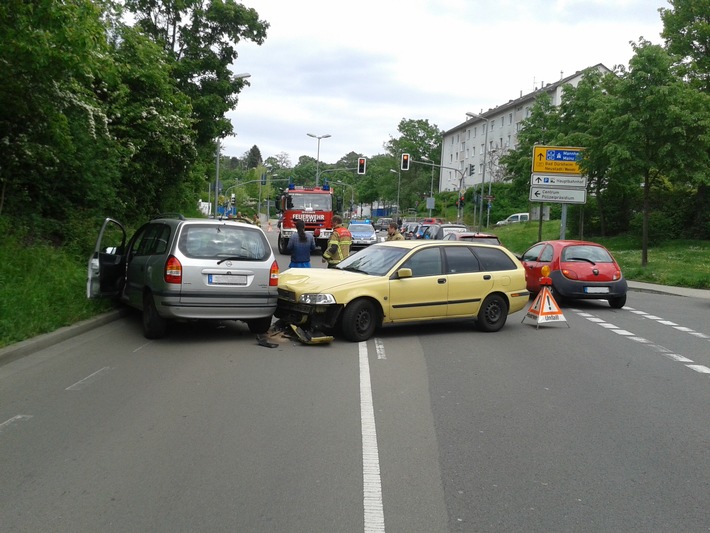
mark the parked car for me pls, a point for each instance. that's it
(363, 234)
(175, 268)
(421, 230)
(578, 270)
(439, 231)
(405, 281)
(514, 218)
(410, 230)
(382, 224)
(472, 236)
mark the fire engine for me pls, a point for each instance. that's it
(313, 205)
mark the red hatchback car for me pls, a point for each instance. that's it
(578, 270)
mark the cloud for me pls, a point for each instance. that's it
(355, 70)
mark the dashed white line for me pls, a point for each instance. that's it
(372, 485)
(658, 348)
(19, 418)
(380, 349)
(677, 357)
(88, 379)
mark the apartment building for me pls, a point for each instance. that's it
(491, 133)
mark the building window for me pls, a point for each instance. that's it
(510, 118)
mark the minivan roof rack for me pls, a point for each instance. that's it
(179, 216)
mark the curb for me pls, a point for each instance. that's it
(15, 351)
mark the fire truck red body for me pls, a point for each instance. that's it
(313, 205)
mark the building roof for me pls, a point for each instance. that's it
(548, 88)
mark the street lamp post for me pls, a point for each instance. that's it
(216, 179)
(485, 152)
(319, 137)
(399, 183)
(431, 187)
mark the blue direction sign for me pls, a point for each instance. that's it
(556, 159)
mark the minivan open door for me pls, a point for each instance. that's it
(107, 265)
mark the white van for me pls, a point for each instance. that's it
(515, 217)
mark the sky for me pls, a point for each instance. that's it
(354, 70)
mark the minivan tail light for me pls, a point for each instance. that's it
(173, 270)
(274, 275)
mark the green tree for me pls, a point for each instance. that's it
(152, 124)
(686, 29)
(52, 126)
(422, 141)
(200, 36)
(658, 128)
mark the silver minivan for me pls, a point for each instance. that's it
(175, 268)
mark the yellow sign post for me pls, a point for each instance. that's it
(556, 159)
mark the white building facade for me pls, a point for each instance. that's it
(489, 135)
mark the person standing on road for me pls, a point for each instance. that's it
(338, 247)
(393, 233)
(301, 244)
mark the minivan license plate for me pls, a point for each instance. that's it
(224, 279)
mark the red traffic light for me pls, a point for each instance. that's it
(405, 162)
(361, 165)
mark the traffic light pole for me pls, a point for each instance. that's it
(459, 210)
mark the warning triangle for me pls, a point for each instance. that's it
(545, 310)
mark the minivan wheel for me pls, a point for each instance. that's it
(259, 325)
(493, 313)
(154, 326)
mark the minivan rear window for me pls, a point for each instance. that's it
(222, 241)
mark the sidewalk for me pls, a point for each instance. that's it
(665, 289)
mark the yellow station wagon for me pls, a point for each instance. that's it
(405, 281)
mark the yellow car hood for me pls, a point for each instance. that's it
(310, 280)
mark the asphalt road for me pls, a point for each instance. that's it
(600, 426)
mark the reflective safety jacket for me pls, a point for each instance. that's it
(338, 245)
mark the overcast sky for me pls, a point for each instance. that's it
(355, 69)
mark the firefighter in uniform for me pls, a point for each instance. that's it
(393, 233)
(338, 244)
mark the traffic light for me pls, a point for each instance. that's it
(461, 201)
(263, 178)
(361, 165)
(405, 162)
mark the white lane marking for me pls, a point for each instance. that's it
(667, 323)
(656, 347)
(679, 358)
(88, 379)
(622, 332)
(372, 484)
(380, 349)
(19, 418)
